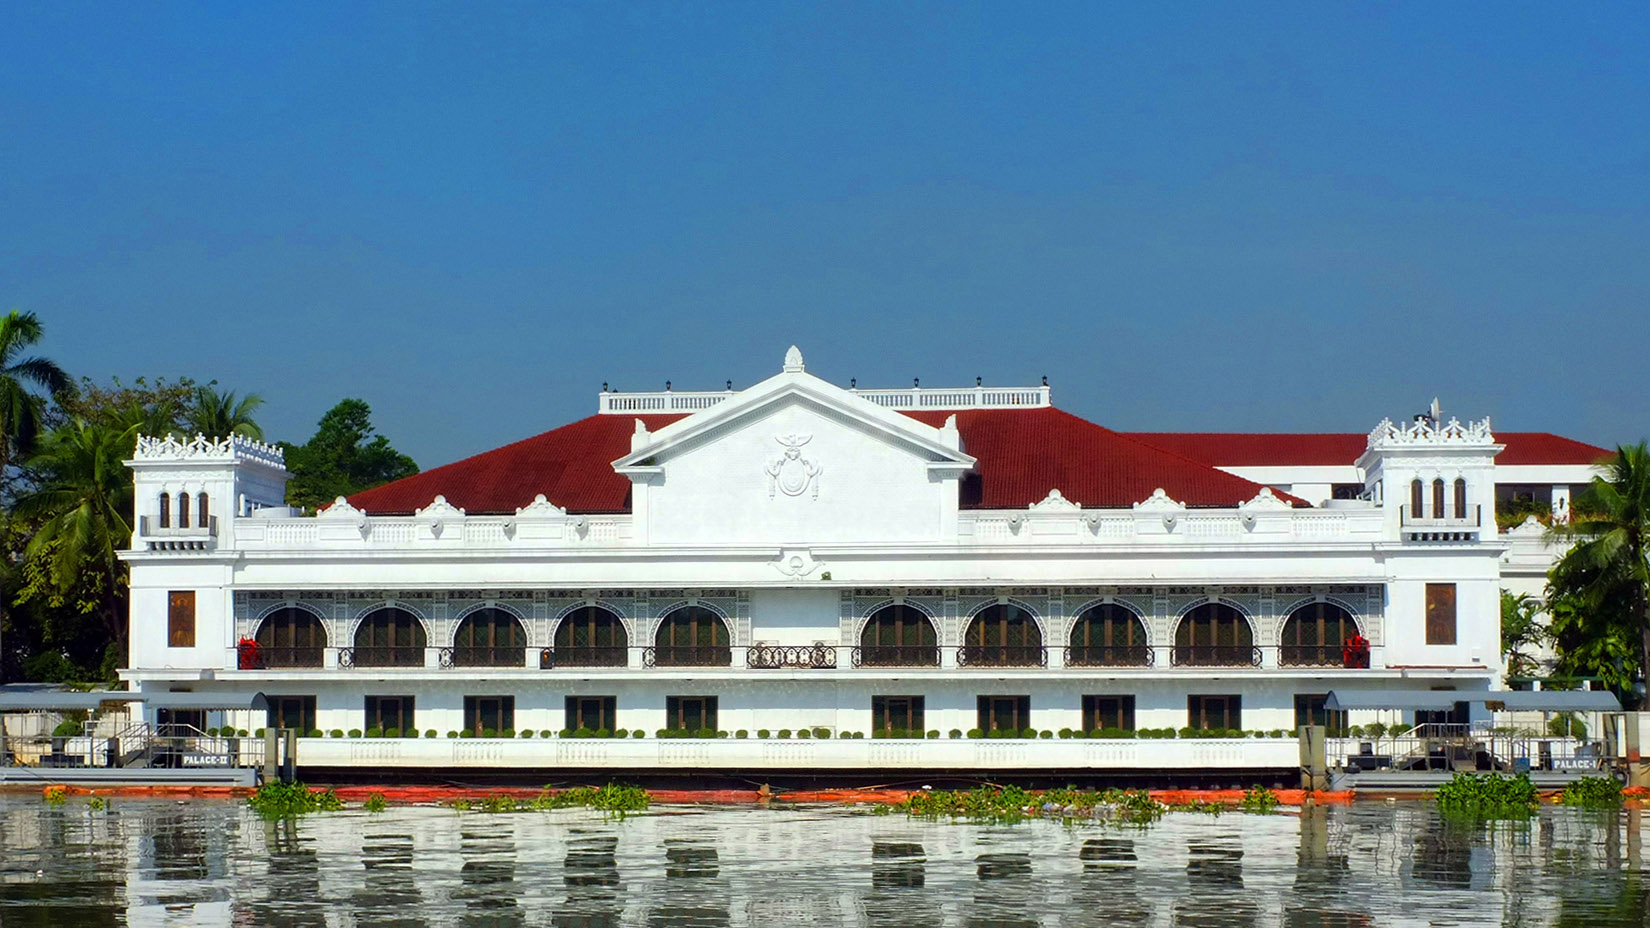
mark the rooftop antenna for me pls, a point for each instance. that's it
(1437, 411)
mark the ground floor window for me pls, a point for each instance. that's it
(690, 713)
(180, 721)
(1214, 712)
(484, 714)
(597, 713)
(1100, 712)
(1004, 713)
(389, 712)
(292, 712)
(1310, 710)
(896, 714)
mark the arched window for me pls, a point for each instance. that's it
(692, 636)
(591, 637)
(1108, 635)
(183, 510)
(1460, 498)
(201, 515)
(489, 638)
(166, 510)
(1002, 636)
(1215, 635)
(287, 638)
(1417, 496)
(898, 636)
(1314, 635)
(1438, 498)
(389, 637)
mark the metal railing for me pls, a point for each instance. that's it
(1326, 655)
(593, 656)
(1118, 655)
(687, 656)
(1011, 655)
(258, 657)
(887, 655)
(483, 656)
(1214, 655)
(778, 657)
(391, 656)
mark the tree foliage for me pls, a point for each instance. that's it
(1521, 633)
(1599, 590)
(22, 412)
(219, 415)
(343, 457)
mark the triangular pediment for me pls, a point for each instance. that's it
(940, 447)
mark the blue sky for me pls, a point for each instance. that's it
(1266, 217)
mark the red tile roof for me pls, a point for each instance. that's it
(1021, 455)
(1259, 449)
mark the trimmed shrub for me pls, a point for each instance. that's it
(337, 733)
(392, 733)
(1029, 733)
(565, 733)
(489, 733)
(721, 734)
(1045, 733)
(933, 734)
(762, 733)
(1065, 733)
(705, 733)
(545, 733)
(741, 733)
(784, 732)
(975, 733)
(526, 733)
(582, 732)
(507, 733)
(315, 732)
(636, 734)
(373, 733)
(260, 733)
(663, 733)
(466, 733)
(804, 733)
(430, 733)
(452, 734)
(954, 733)
(604, 733)
(355, 733)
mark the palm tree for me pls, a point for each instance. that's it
(219, 415)
(1607, 570)
(83, 503)
(1521, 630)
(19, 409)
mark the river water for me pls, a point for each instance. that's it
(148, 862)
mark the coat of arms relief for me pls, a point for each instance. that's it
(790, 472)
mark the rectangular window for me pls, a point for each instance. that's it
(180, 722)
(1004, 713)
(180, 619)
(690, 713)
(292, 712)
(1214, 712)
(596, 713)
(387, 712)
(1440, 613)
(896, 713)
(494, 714)
(1309, 710)
(1108, 712)
(1346, 490)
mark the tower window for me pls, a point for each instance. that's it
(166, 510)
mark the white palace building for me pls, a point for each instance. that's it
(799, 576)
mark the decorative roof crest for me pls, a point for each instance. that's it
(1265, 499)
(540, 508)
(1159, 501)
(229, 449)
(439, 508)
(341, 509)
(1055, 501)
(1426, 432)
(793, 361)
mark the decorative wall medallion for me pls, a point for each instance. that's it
(790, 472)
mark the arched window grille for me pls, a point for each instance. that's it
(1315, 635)
(692, 636)
(591, 637)
(1417, 507)
(201, 513)
(389, 637)
(898, 636)
(1460, 498)
(489, 638)
(1438, 498)
(1215, 635)
(183, 510)
(1002, 636)
(1108, 635)
(287, 638)
(166, 510)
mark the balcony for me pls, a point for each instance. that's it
(1013, 655)
(1123, 655)
(1418, 527)
(687, 656)
(156, 537)
(1348, 656)
(1215, 655)
(482, 656)
(593, 656)
(885, 655)
(252, 656)
(786, 657)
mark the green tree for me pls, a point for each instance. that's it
(82, 509)
(21, 411)
(1605, 576)
(218, 415)
(343, 457)
(1521, 632)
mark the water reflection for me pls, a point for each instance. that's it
(151, 863)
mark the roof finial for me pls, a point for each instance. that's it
(730, 386)
(793, 360)
(1045, 380)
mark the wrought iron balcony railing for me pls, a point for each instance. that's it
(483, 656)
(393, 656)
(888, 655)
(592, 656)
(1012, 655)
(1215, 655)
(1114, 655)
(257, 657)
(779, 657)
(687, 656)
(1327, 655)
